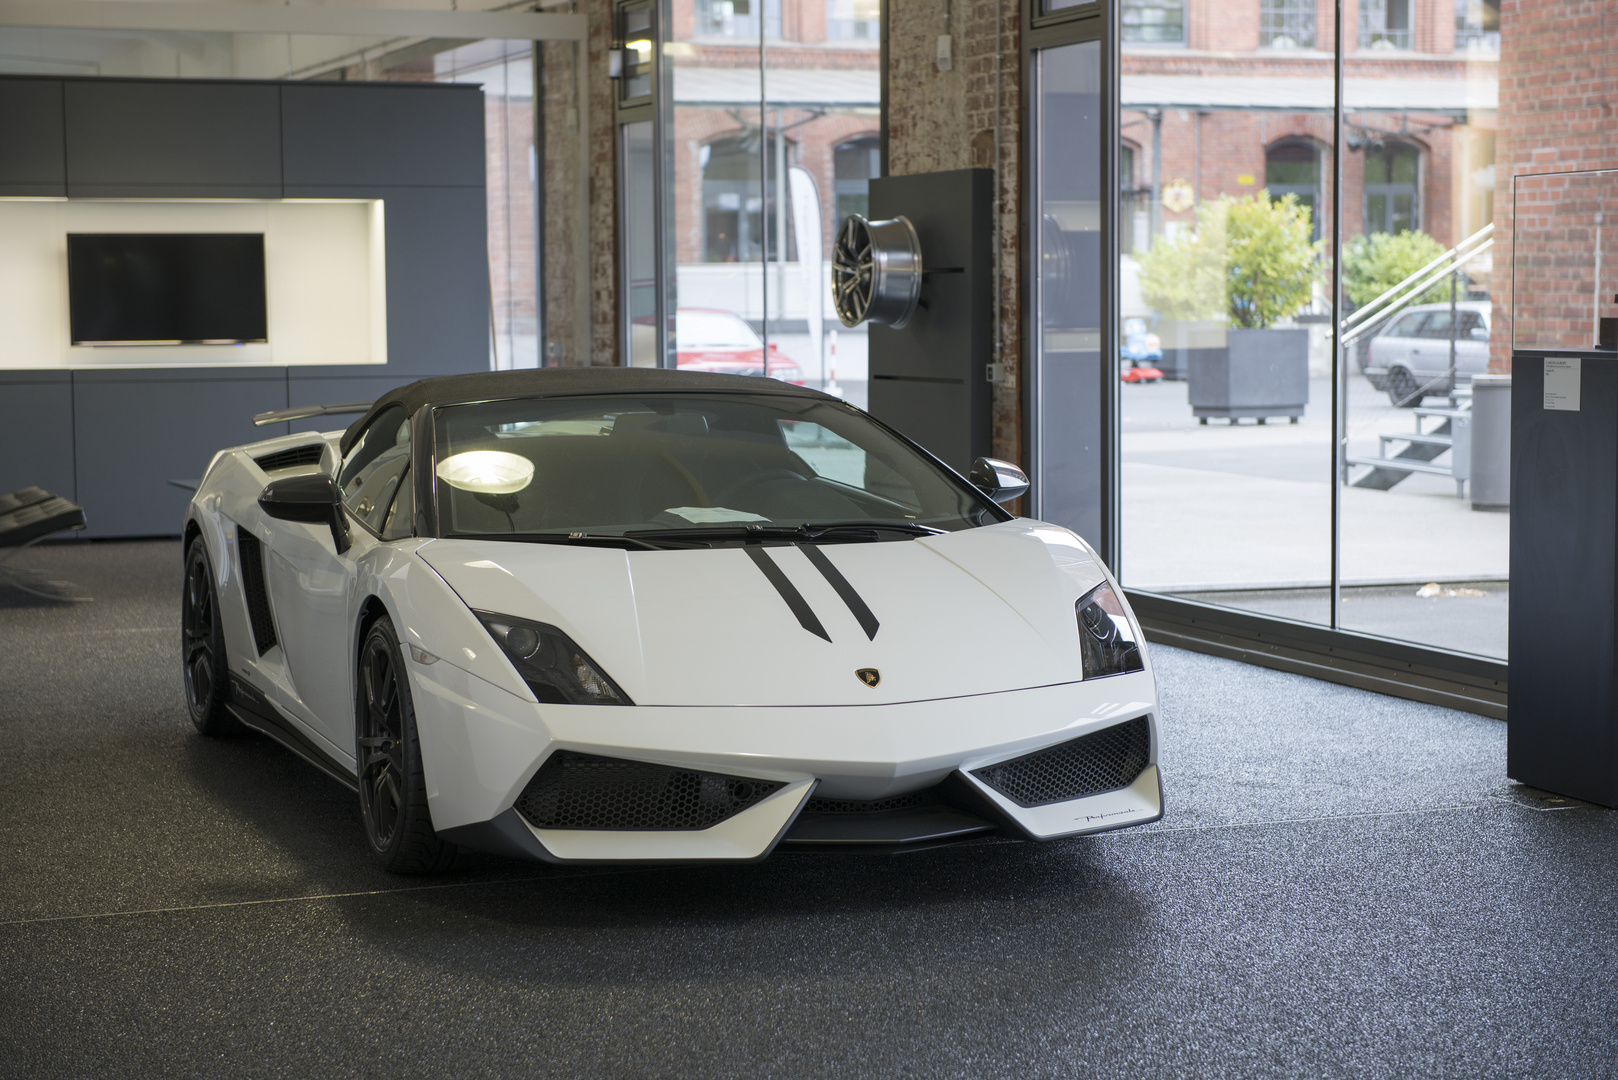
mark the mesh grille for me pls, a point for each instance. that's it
(907, 801)
(308, 454)
(1104, 760)
(582, 791)
(251, 553)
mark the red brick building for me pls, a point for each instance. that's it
(1226, 97)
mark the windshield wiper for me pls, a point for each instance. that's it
(809, 531)
(909, 528)
(580, 538)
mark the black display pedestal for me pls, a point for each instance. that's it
(1562, 734)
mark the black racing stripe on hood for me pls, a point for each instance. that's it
(789, 592)
(856, 603)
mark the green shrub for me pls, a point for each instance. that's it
(1248, 260)
(1374, 264)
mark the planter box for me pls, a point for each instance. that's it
(1185, 342)
(1261, 373)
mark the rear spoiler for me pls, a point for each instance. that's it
(303, 412)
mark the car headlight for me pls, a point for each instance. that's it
(553, 666)
(1106, 636)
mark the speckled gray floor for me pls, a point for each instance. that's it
(1345, 885)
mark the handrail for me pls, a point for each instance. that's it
(1451, 256)
(1414, 285)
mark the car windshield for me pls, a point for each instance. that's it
(687, 467)
(713, 330)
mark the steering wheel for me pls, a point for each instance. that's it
(686, 478)
(755, 485)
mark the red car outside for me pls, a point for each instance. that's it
(707, 339)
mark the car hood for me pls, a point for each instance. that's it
(973, 612)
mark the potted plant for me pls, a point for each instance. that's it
(1250, 263)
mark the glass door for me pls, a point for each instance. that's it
(1066, 233)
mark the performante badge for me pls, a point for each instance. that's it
(870, 676)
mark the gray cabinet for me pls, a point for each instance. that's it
(173, 139)
(36, 431)
(31, 138)
(383, 135)
(134, 436)
(114, 439)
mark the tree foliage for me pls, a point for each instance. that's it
(1248, 260)
(1182, 275)
(1374, 264)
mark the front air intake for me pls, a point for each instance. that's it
(583, 791)
(1104, 760)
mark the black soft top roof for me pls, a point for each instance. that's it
(487, 385)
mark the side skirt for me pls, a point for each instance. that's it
(252, 708)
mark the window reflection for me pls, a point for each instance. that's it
(746, 116)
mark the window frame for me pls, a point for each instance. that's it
(1279, 8)
(1185, 27)
(1090, 22)
(1391, 190)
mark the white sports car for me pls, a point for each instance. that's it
(609, 615)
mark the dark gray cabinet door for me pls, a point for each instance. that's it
(417, 136)
(190, 139)
(36, 431)
(134, 437)
(31, 137)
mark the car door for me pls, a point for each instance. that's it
(1398, 343)
(1471, 347)
(314, 587)
(1430, 355)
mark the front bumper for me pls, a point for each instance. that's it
(482, 746)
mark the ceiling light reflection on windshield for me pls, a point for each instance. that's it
(492, 472)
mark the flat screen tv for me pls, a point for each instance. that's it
(166, 288)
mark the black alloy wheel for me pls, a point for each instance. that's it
(393, 789)
(202, 647)
(1402, 389)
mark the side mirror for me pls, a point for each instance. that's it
(999, 480)
(316, 500)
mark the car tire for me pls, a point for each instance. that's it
(203, 666)
(1403, 390)
(393, 787)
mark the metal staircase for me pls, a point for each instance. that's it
(1421, 448)
(1451, 425)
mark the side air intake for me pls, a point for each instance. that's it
(1104, 760)
(251, 554)
(292, 457)
(583, 791)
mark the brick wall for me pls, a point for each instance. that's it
(1558, 113)
(567, 275)
(947, 120)
(603, 194)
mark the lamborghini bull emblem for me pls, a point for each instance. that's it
(870, 676)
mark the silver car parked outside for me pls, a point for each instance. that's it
(1410, 357)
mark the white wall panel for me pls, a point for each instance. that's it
(324, 269)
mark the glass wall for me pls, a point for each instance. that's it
(1419, 559)
(505, 70)
(1225, 405)
(772, 127)
(1261, 468)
